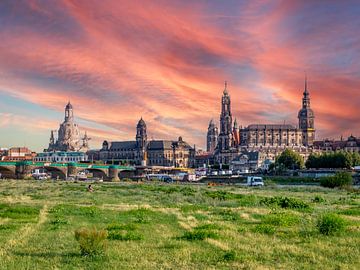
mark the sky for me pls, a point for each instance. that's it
(166, 61)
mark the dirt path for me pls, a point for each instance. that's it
(23, 235)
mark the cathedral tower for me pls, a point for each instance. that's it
(236, 135)
(225, 136)
(141, 136)
(141, 142)
(212, 137)
(306, 119)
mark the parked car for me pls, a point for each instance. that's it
(255, 181)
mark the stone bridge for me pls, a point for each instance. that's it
(23, 169)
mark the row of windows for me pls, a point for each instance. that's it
(274, 135)
(65, 159)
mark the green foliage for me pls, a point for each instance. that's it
(141, 224)
(281, 219)
(115, 226)
(290, 160)
(285, 202)
(7, 227)
(339, 159)
(318, 199)
(227, 214)
(201, 233)
(92, 241)
(123, 232)
(57, 222)
(219, 195)
(351, 211)
(67, 209)
(209, 226)
(229, 256)
(124, 235)
(291, 179)
(264, 228)
(340, 179)
(330, 224)
(17, 211)
(198, 235)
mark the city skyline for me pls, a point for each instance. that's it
(167, 62)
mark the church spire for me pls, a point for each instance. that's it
(305, 87)
(225, 88)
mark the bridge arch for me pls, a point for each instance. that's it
(7, 172)
(97, 173)
(54, 171)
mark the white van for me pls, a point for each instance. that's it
(255, 181)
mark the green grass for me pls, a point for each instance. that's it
(177, 226)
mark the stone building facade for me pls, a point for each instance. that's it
(149, 152)
(68, 138)
(351, 144)
(271, 135)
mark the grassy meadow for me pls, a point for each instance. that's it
(176, 226)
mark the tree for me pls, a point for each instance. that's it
(290, 160)
(340, 159)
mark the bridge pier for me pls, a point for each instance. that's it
(113, 174)
(22, 170)
(71, 169)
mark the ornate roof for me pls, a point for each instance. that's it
(141, 123)
(126, 145)
(270, 126)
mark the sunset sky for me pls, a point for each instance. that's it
(167, 62)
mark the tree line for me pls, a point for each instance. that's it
(290, 160)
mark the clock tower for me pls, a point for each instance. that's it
(306, 119)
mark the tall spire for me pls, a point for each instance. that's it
(305, 88)
(225, 89)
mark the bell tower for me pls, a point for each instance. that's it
(212, 137)
(141, 141)
(141, 136)
(225, 136)
(306, 119)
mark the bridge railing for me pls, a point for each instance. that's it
(56, 164)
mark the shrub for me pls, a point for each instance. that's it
(199, 235)
(285, 202)
(281, 219)
(115, 226)
(209, 226)
(318, 199)
(229, 256)
(340, 179)
(57, 222)
(92, 241)
(263, 228)
(201, 232)
(330, 224)
(227, 214)
(219, 195)
(124, 236)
